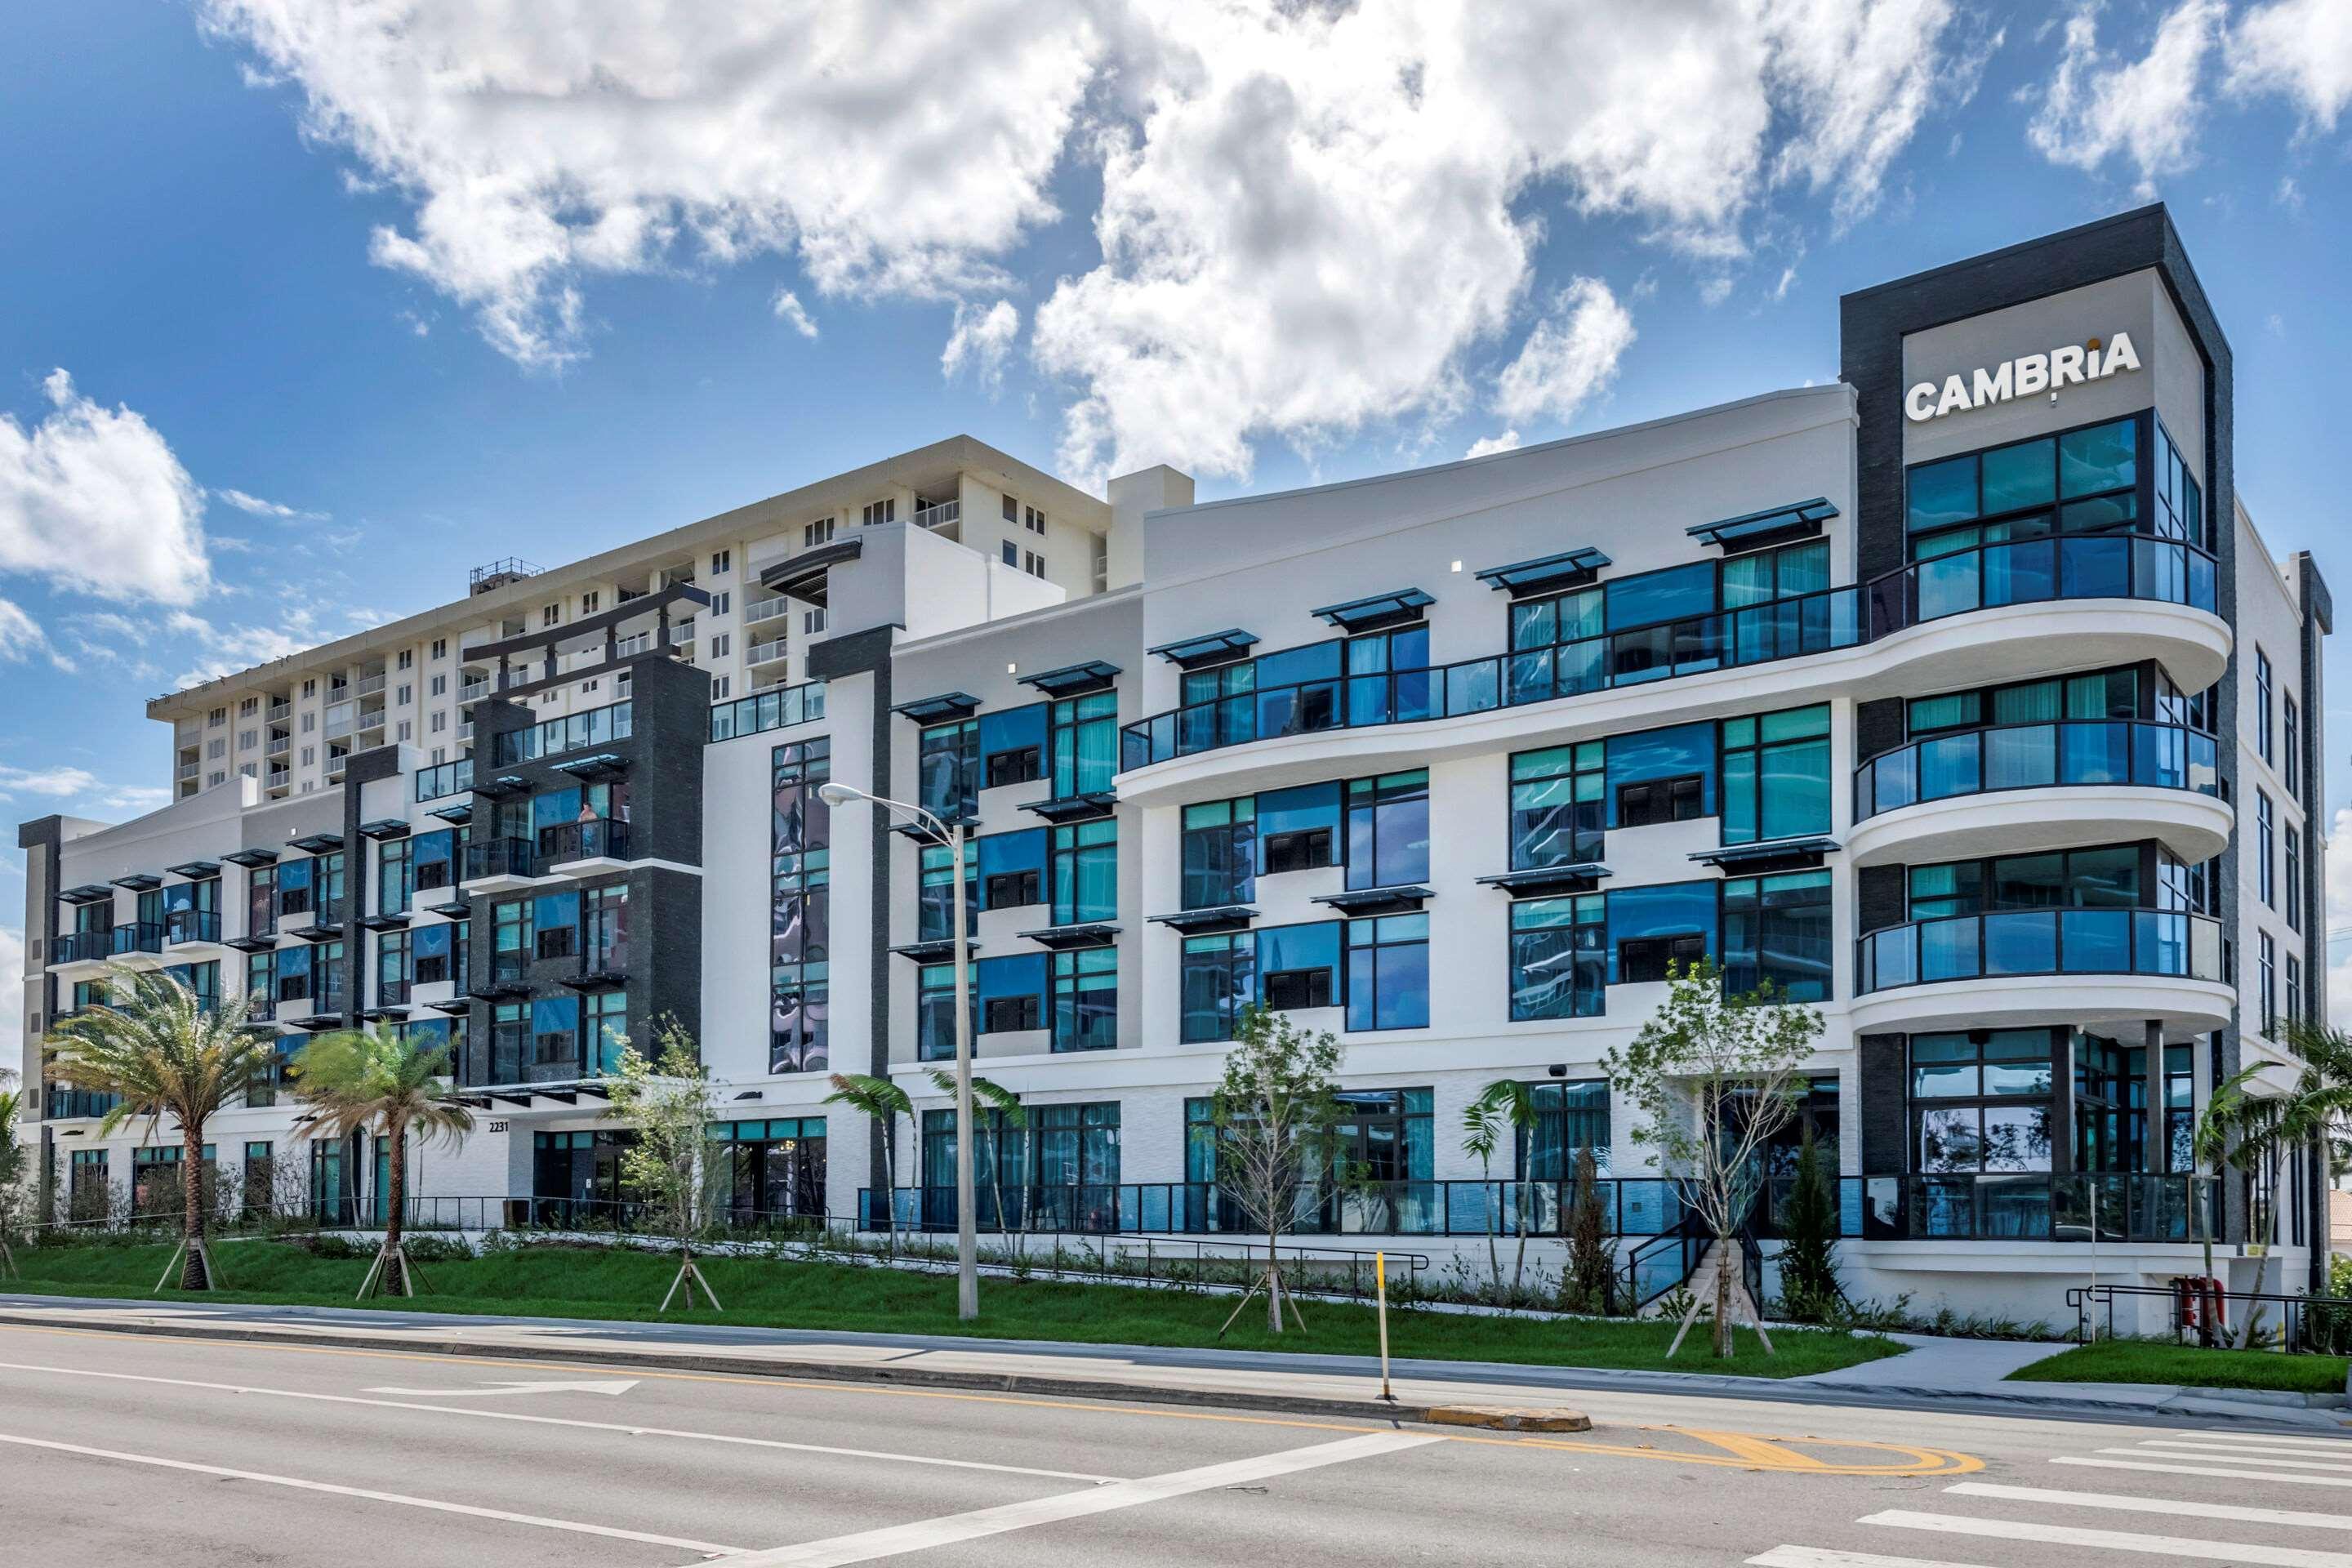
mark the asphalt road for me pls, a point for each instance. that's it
(175, 1452)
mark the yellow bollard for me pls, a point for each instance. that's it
(1380, 1291)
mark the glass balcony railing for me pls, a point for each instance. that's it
(2037, 756)
(139, 936)
(573, 732)
(499, 857)
(2040, 1206)
(600, 839)
(191, 925)
(2032, 571)
(2040, 941)
(776, 710)
(82, 947)
(1759, 634)
(444, 779)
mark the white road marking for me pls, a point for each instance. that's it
(2219, 1473)
(2227, 1453)
(950, 1529)
(1821, 1557)
(2232, 1552)
(613, 1386)
(2270, 1440)
(2194, 1455)
(635, 1431)
(401, 1497)
(2127, 1504)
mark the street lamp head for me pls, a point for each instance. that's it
(837, 794)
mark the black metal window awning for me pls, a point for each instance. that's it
(1546, 573)
(940, 950)
(1772, 526)
(249, 859)
(453, 1006)
(385, 921)
(139, 882)
(504, 784)
(385, 827)
(1074, 679)
(1075, 807)
(454, 910)
(1378, 612)
(1086, 933)
(1582, 878)
(316, 843)
(194, 871)
(1776, 855)
(457, 814)
(935, 709)
(594, 980)
(921, 832)
(1216, 647)
(1394, 900)
(1223, 916)
(88, 893)
(599, 764)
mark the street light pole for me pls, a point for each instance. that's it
(967, 1231)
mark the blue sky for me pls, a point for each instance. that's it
(342, 309)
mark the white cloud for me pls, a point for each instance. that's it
(260, 508)
(893, 149)
(1488, 446)
(93, 499)
(1571, 355)
(224, 650)
(2097, 107)
(2300, 48)
(980, 340)
(12, 1006)
(2338, 900)
(21, 638)
(790, 311)
(61, 782)
(1312, 215)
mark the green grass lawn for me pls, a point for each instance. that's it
(2133, 1360)
(600, 1282)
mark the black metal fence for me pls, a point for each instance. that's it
(2203, 1312)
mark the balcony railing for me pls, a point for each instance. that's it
(1759, 634)
(759, 610)
(191, 925)
(601, 838)
(765, 711)
(2040, 941)
(2031, 571)
(190, 770)
(2080, 1206)
(499, 857)
(138, 936)
(765, 652)
(64, 1104)
(278, 745)
(279, 709)
(370, 685)
(82, 947)
(943, 514)
(472, 688)
(279, 778)
(2036, 756)
(573, 732)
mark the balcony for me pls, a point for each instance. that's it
(279, 778)
(135, 939)
(190, 928)
(279, 746)
(339, 719)
(473, 686)
(771, 652)
(583, 848)
(81, 947)
(757, 611)
(371, 719)
(2023, 786)
(2019, 967)
(943, 514)
(370, 685)
(496, 865)
(280, 710)
(777, 709)
(188, 770)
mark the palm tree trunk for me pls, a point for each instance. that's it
(395, 1182)
(193, 1275)
(1494, 1256)
(2261, 1264)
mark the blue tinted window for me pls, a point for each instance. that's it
(1676, 753)
(2020, 475)
(1003, 852)
(1315, 946)
(1943, 492)
(1013, 729)
(1316, 661)
(1388, 973)
(1649, 914)
(2103, 458)
(1671, 595)
(1304, 807)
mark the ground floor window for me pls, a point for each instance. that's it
(1569, 1118)
(771, 1168)
(576, 1174)
(1060, 1171)
(157, 1186)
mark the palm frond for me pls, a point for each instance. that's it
(354, 1079)
(161, 1051)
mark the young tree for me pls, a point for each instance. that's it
(1504, 1105)
(1715, 1078)
(357, 1079)
(1009, 1112)
(165, 1054)
(2312, 1112)
(1273, 1115)
(1585, 1277)
(670, 1105)
(1809, 1281)
(883, 1102)
(15, 1170)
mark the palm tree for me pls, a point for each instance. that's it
(165, 1053)
(356, 1079)
(1010, 1113)
(1504, 1103)
(14, 1160)
(885, 1102)
(2311, 1112)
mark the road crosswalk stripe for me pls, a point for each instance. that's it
(2127, 1504)
(1821, 1557)
(2216, 1471)
(2272, 1440)
(2341, 1460)
(2225, 1456)
(2240, 1553)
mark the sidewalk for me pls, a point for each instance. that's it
(1945, 1372)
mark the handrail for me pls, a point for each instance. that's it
(2039, 941)
(2037, 755)
(1722, 639)
(777, 708)
(569, 732)
(2036, 571)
